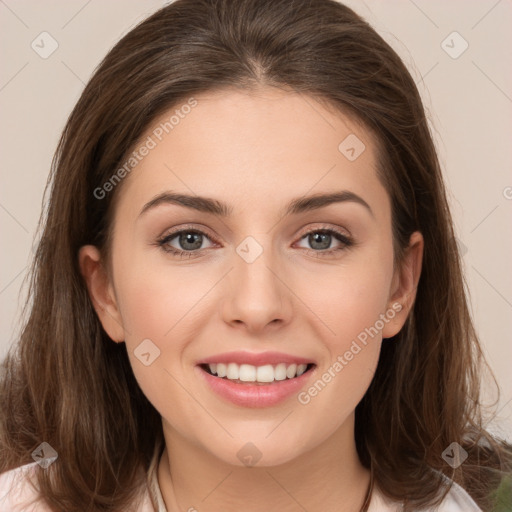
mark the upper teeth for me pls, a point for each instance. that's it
(250, 373)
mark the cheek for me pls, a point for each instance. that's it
(156, 304)
(157, 300)
(352, 301)
(160, 312)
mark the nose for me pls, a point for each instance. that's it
(257, 297)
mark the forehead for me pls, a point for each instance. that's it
(266, 144)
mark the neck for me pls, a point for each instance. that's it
(327, 478)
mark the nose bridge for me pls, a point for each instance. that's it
(255, 256)
(256, 295)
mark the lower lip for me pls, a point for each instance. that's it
(248, 395)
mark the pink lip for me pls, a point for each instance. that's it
(255, 395)
(255, 359)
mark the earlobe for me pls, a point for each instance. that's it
(404, 285)
(101, 291)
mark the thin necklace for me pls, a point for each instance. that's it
(366, 504)
(364, 508)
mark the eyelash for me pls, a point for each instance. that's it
(345, 240)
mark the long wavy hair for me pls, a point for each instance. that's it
(65, 382)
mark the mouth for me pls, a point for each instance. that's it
(250, 375)
(250, 379)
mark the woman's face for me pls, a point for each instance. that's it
(260, 277)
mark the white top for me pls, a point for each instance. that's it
(16, 493)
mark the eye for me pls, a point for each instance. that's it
(320, 241)
(189, 241)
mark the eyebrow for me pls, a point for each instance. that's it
(215, 207)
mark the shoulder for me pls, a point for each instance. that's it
(18, 490)
(457, 500)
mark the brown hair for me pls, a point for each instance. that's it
(68, 384)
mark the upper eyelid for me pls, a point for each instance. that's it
(202, 231)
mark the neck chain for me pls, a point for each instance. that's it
(364, 508)
(366, 504)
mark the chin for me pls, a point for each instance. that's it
(260, 452)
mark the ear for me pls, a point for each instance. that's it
(404, 285)
(101, 291)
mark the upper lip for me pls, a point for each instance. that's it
(255, 358)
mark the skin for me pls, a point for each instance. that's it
(254, 151)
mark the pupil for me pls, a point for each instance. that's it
(189, 238)
(323, 238)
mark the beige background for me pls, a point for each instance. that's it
(469, 100)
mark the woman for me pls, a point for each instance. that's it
(248, 294)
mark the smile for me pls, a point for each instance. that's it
(261, 374)
(255, 385)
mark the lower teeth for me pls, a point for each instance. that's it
(252, 382)
(238, 381)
